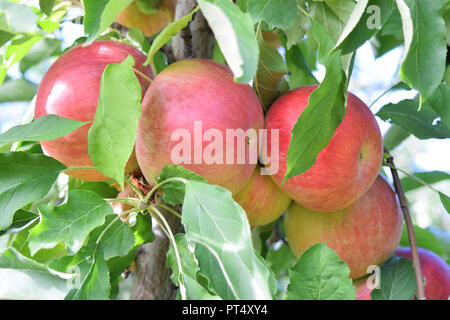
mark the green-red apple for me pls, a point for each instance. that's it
(364, 234)
(148, 15)
(187, 113)
(262, 199)
(70, 89)
(435, 270)
(344, 170)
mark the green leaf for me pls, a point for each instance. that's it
(96, 284)
(113, 133)
(398, 281)
(326, 108)
(69, 223)
(17, 90)
(277, 13)
(342, 8)
(298, 30)
(440, 102)
(101, 188)
(424, 64)
(174, 191)
(319, 274)
(23, 278)
(409, 183)
(168, 32)
(22, 219)
(364, 22)
(424, 239)
(445, 201)
(424, 124)
(235, 35)
(281, 260)
(271, 70)
(214, 221)
(190, 269)
(300, 71)
(48, 127)
(100, 14)
(24, 178)
(333, 22)
(15, 51)
(40, 51)
(46, 6)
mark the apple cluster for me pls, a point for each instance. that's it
(341, 200)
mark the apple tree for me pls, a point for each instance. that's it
(212, 149)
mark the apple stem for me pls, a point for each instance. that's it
(409, 227)
(143, 75)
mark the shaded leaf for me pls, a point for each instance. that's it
(276, 13)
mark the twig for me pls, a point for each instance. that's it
(409, 227)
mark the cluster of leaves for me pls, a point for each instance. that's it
(62, 240)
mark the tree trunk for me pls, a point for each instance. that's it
(152, 276)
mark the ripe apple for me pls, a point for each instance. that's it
(344, 170)
(262, 200)
(434, 269)
(366, 233)
(70, 89)
(148, 15)
(194, 103)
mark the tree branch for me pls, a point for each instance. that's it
(409, 226)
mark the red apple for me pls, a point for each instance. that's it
(70, 89)
(186, 114)
(435, 270)
(344, 170)
(364, 234)
(262, 200)
(149, 18)
(362, 290)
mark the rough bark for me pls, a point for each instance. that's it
(152, 276)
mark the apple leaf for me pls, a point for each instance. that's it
(69, 223)
(24, 178)
(300, 73)
(298, 30)
(424, 124)
(271, 70)
(325, 110)
(100, 14)
(277, 13)
(214, 221)
(319, 274)
(47, 6)
(48, 127)
(174, 191)
(113, 133)
(16, 50)
(96, 285)
(440, 102)
(365, 21)
(409, 183)
(424, 239)
(328, 18)
(397, 280)
(190, 269)
(23, 278)
(233, 30)
(425, 45)
(22, 219)
(168, 32)
(17, 90)
(445, 201)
